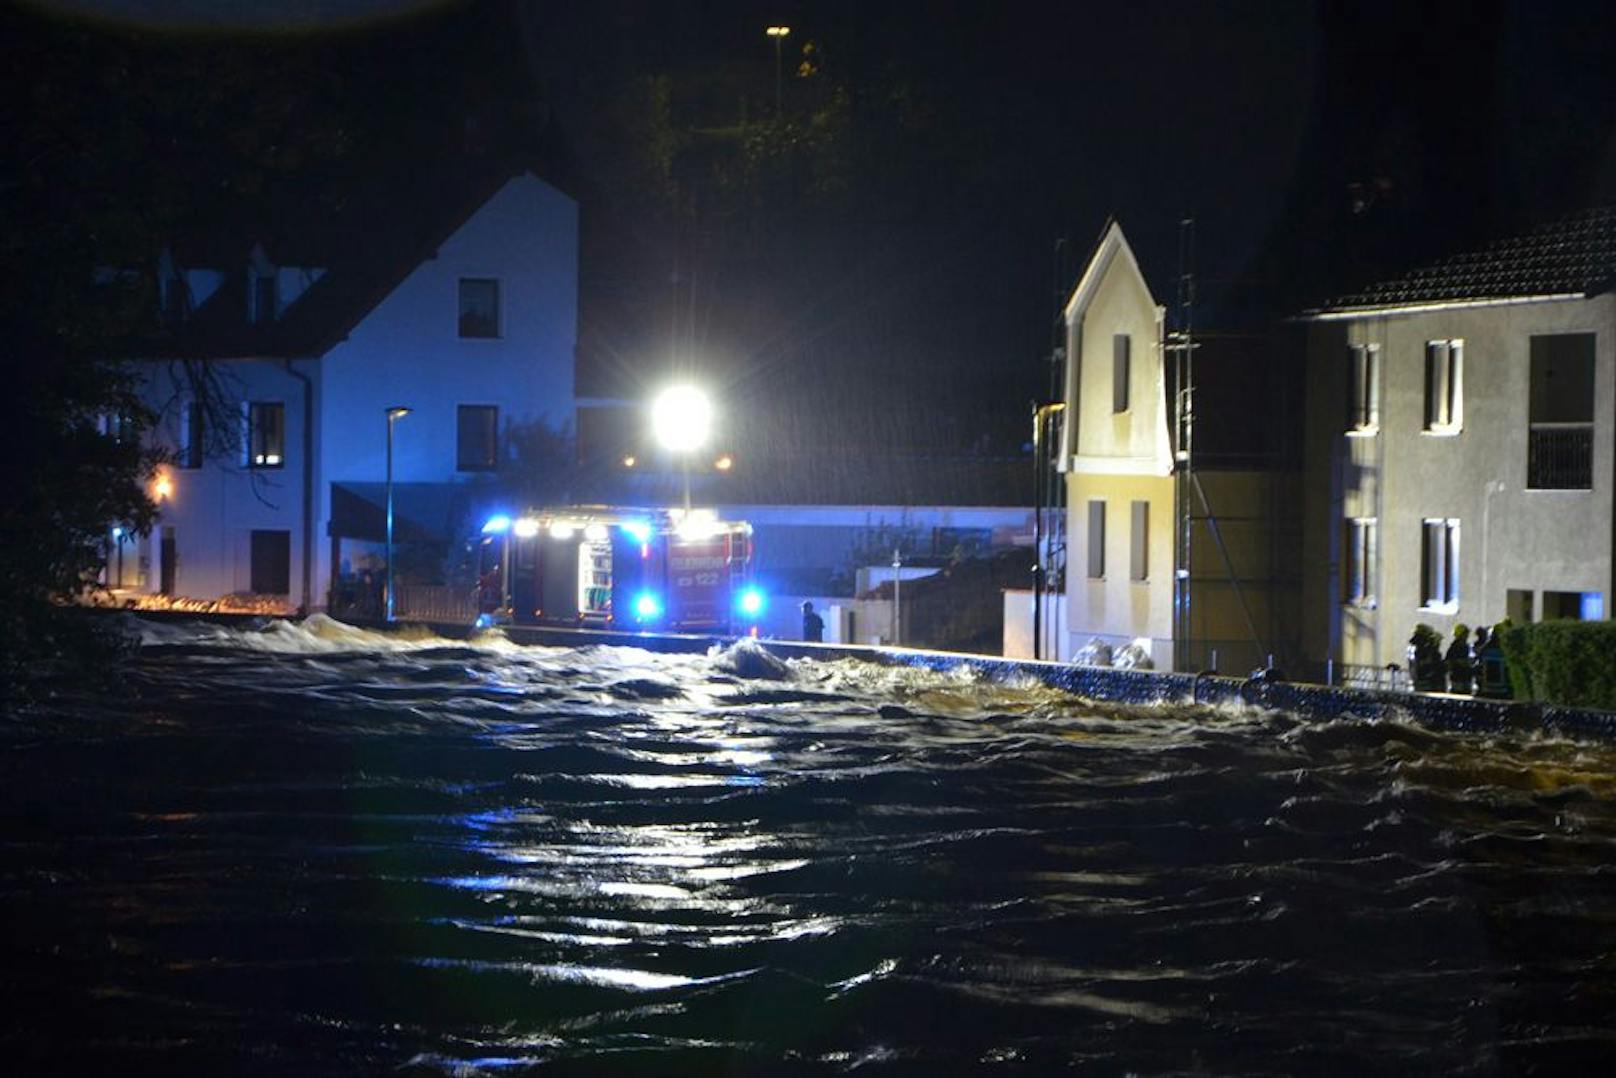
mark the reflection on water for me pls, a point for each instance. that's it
(311, 849)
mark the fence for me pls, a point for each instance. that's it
(456, 604)
(1388, 678)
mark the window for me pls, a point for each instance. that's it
(264, 299)
(192, 444)
(119, 426)
(1444, 386)
(1121, 346)
(266, 434)
(1359, 551)
(1576, 605)
(1560, 436)
(271, 562)
(479, 307)
(1439, 565)
(1096, 540)
(1363, 390)
(1139, 547)
(478, 438)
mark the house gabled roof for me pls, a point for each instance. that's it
(366, 255)
(1111, 244)
(1573, 257)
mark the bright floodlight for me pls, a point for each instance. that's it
(681, 418)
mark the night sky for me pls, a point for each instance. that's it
(881, 264)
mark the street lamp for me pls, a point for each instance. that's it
(778, 33)
(681, 420)
(394, 414)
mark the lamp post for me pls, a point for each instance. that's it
(778, 33)
(681, 419)
(394, 414)
(897, 598)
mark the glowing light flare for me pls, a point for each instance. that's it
(777, 31)
(595, 532)
(498, 524)
(697, 524)
(526, 528)
(724, 463)
(751, 602)
(163, 487)
(629, 461)
(563, 530)
(681, 418)
(638, 530)
(647, 607)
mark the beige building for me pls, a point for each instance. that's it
(1180, 552)
(1458, 458)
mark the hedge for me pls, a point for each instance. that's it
(1570, 663)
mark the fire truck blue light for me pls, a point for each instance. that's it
(646, 606)
(751, 601)
(497, 525)
(638, 530)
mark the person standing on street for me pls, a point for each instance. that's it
(813, 626)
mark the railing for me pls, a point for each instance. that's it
(1560, 456)
(436, 602)
(1388, 678)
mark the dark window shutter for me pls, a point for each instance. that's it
(1096, 539)
(1139, 552)
(1120, 346)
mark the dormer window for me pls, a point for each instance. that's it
(175, 296)
(264, 299)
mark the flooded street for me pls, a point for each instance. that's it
(311, 850)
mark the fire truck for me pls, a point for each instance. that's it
(668, 570)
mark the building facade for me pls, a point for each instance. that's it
(1459, 445)
(1116, 453)
(273, 393)
(1180, 522)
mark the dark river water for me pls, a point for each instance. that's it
(311, 850)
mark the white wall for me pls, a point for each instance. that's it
(1118, 457)
(1018, 625)
(408, 351)
(214, 509)
(1510, 537)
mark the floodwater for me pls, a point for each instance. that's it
(311, 850)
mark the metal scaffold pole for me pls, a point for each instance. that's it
(1184, 396)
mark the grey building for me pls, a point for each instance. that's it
(1458, 445)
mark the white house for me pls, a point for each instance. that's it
(466, 315)
(1176, 540)
(1459, 445)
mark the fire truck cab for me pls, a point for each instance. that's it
(668, 570)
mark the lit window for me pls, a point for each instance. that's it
(478, 438)
(1358, 561)
(1439, 564)
(266, 434)
(1363, 390)
(479, 307)
(1444, 386)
